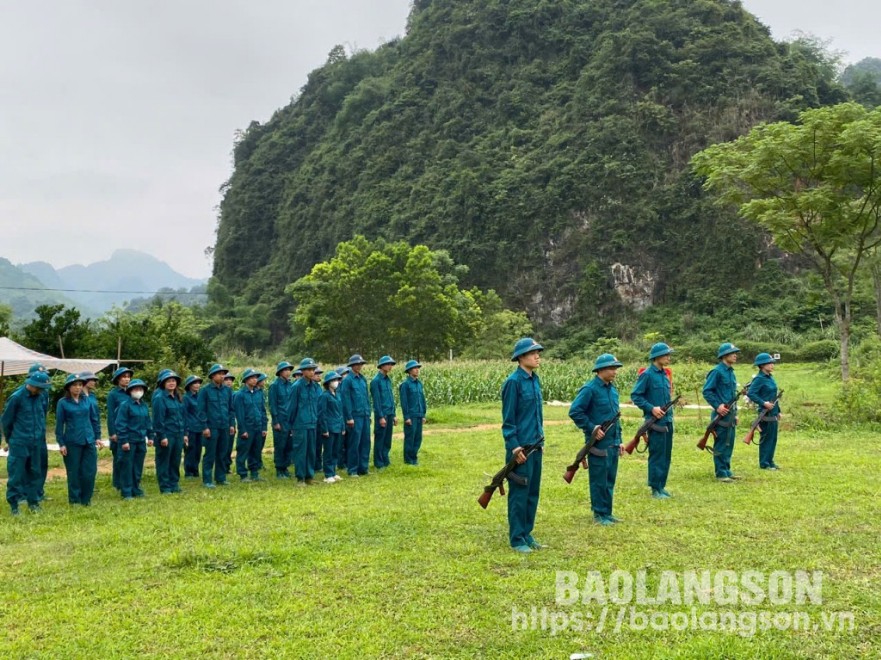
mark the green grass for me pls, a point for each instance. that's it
(405, 563)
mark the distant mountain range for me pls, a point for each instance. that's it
(126, 276)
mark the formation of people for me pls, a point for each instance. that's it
(597, 406)
(320, 423)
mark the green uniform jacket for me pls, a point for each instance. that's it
(522, 417)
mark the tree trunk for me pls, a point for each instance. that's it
(844, 330)
(876, 282)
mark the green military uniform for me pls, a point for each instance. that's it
(523, 425)
(763, 389)
(720, 388)
(24, 425)
(597, 403)
(652, 389)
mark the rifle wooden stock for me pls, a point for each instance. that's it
(761, 418)
(507, 472)
(643, 431)
(711, 428)
(702, 443)
(581, 456)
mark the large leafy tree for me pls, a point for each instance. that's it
(815, 186)
(380, 297)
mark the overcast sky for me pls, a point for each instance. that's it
(117, 116)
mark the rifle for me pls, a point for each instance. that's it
(643, 431)
(761, 418)
(711, 428)
(581, 456)
(507, 472)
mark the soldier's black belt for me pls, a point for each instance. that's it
(597, 452)
(658, 428)
(725, 425)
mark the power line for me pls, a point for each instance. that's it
(146, 293)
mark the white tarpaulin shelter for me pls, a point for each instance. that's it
(15, 359)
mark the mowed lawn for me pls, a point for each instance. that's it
(405, 562)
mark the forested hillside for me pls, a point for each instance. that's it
(544, 144)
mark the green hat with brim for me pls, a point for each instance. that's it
(284, 364)
(605, 361)
(659, 350)
(726, 349)
(356, 359)
(137, 382)
(168, 375)
(330, 376)
(261, 376)
(216, 369)
(39, 379)
(307, 363)
(190, 380)
(119, 373)
(248, 373)
(524, 346)
(412, 364)
(384, 360)
(73, 378)
(763, 359)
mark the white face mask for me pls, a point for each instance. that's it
(137, 394)
(334, 384)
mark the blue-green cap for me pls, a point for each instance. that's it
(284, 364)
(762, 359)
(384, 360)
(307, 363)
(71, 379)
(412, 364)
(659, 350)
(137, 382)
(217, 368)
(524, 346)
(119, 373)
(166, 374)
(190, 380)
(356, 359)
(605, 361)
(39, 379)
(331, 375)
(726, 349)
(247, 373)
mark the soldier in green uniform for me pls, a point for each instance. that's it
(217, 418)
(226, 452)
(356, 410)
(121, 378)
(24, 426)
(330, 425)
(720, 388)
(651, 391)
(762, 392)
(523, 426)
(384, 420)
(304, 422)
(251, 422)
(170, 432)
(413, 410)
(135, 433)
(76, 431)
(193, 455)
(597, 403)
(279, 409)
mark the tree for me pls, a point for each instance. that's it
(5, 320)
(54, 327)
(379, 297)
(815, 186)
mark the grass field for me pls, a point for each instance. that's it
(405, 563)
